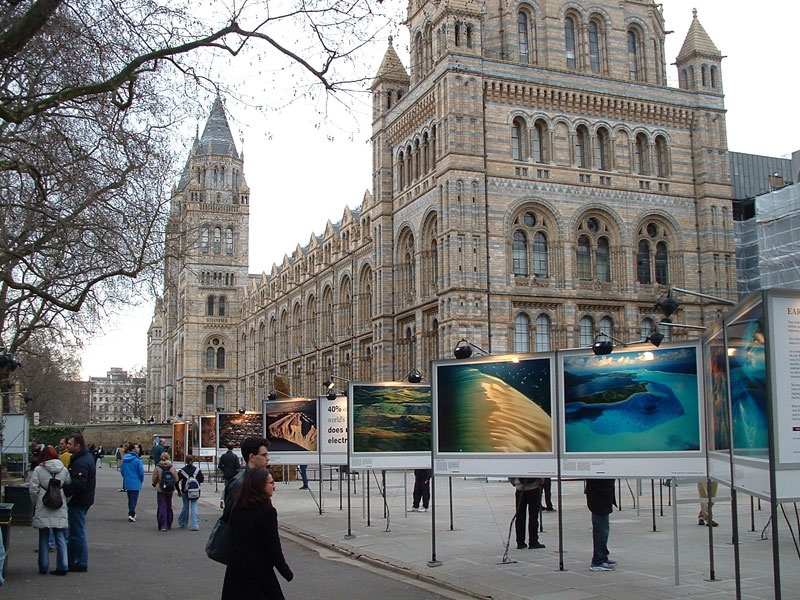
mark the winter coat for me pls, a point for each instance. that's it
(164, 465)
(185, 473)
(132, 471)
(44, 516)
(229, 465)
(82, 471)
(600, 496)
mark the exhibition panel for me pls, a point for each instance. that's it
(291, 427)
(208, 435)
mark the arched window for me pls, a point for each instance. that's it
(704, 75)
(519, 146)
(458, 34)
(714, 81)
(204, 242)
(586, 333)
(594, 47)
(584, 255)
(540, 254)
(221, 307)
(220, 398)
(581, 146)
(603, 260)
(229, 240)
(641, 157)
(210, 306)
(523, 36)
(542, 333)
(662, 266)
(665, 331)
(540, 149)
(569, 41)
(519, 253)
(469, 36)
(209, 358)
(602, 150)
(646, 327)
(662, 156)
(607, 326)
(643, 262)
(217, 240)
(633, 55)
(221, 358)
(522, 333)
(401, 171)
(209, 398)
(412, 357)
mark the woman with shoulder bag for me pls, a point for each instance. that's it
(50, 513)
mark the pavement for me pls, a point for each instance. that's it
(467, 551)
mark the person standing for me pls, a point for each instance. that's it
(422, 489)
(703, 488)
(80, 491)
(49, 519)
(256, 544)
(255, 451)
(229, 465)
(165, 480)
(132, 471)
(600, 500)
(64, 454)
(547, 494)
(99, 454)
(527, 495)
(189, 479)
(304, 476)
(155, 454)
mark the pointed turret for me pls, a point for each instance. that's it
(217, 137)
(699, 60)
(391, 82)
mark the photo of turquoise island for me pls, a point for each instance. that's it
(632, 402)
(392, 418)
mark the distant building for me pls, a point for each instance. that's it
(753, 175)
(117, 398)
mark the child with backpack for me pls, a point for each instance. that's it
(165, 480)
(189, 479)
(47, 495)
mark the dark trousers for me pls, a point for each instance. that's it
(164, 512)
(600, 531)
(530, 500)
(133, 499)
(548, 496)
(422, 490)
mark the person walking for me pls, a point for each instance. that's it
(132, 471)
(548, 495)
(156, 452)
(80, 491)
(527, 495)
(304, 476)
(600, 500)
(165, 480)
(229, 465)
(189, 479)
(50, 509)
(255, 451)
(256, 544)
(422, 489)
(99, 453)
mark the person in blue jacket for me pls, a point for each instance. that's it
(132, 471)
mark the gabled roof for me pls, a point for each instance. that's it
(391, 68)
(697, 41)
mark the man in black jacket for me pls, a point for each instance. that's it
(80, 492)
(600, 500)
(255, 452)
(229, 465)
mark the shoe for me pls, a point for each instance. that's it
(222, 504)
(413, 509)
(536, 545)
(195, 529)
(51, 548)
(304, 487)
(613, 563)
(701, 522)
(58, 572)
(551, 509)
(522, 546)
(602, 567)
(77, 569)
(165, 530)
(121, 490)
(714, 524)
(423, 509)
(131, 519)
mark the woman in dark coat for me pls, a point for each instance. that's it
(256, 544)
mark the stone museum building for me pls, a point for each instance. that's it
(535, 182)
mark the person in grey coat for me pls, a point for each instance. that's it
(47, 519)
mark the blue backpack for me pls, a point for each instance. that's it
(166, 482)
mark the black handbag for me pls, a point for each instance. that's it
(220, 543)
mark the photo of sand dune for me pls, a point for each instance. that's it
(291, 425)
(494, 407)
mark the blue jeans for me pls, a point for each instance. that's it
(60, 536)
(78, 547)
(189, 507)
(133, 498)
(600, 531)
(51, 541)
(2, 557)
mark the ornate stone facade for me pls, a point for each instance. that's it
(535, 182)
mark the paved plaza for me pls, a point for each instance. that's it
(139, 558)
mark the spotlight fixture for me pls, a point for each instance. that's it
(330, 392)
(602, 347)
(272, 395)
(655, 338)
(331, 395)
(241, 411)
(464, 348)
(668, 305)
(180, 415)
(414, 376)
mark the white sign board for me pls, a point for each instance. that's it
(333, 430)
(15, 434)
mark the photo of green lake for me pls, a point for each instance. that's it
(392, 418)
(632, 402)
(490, 407)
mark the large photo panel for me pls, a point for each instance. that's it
(208, 435)
(493, 415)
(718, 429)
(634, 412)
(237, 427)
(390, 424)
(291, 427)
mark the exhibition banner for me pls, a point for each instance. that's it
(390, 424)
(493, 416)
(290, 425)
(179, 442)
(333, 425)
(208, 435)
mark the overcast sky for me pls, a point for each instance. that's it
(305, 163)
